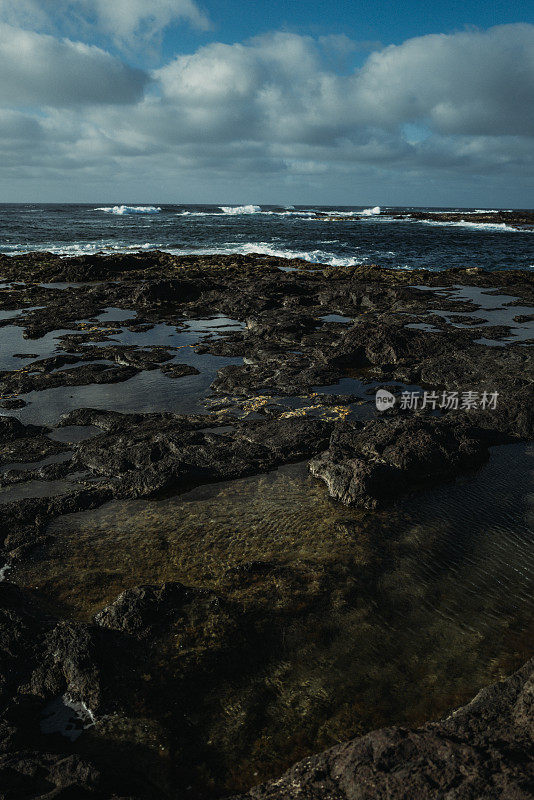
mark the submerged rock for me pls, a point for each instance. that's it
(483, 751)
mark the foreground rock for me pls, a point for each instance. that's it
(482, 752)
(150, 454)
(178, 652)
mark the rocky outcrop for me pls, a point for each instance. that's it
(149, 454)
(516, 219)
(374, 464)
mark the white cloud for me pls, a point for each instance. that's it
(125, 19)
(38, 69)
(472, 82)
(454, 105)
(122, 20)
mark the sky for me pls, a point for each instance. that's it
(219, 101)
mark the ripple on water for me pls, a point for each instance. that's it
(385, 617)
(149, 390)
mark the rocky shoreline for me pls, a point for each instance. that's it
(517, 219)
(171, 680)
(520, 220)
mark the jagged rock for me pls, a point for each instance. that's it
(22, 382)
(149, 454)
(146, 609)
(373, 464)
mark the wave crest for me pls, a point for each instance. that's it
(370, 212)
(240, 209)
(266, 249)
(129, 209)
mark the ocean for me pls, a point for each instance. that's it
(285, 231)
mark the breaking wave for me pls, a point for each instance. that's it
(481, 226)
(266, 249)
(235, 211)
(366, 212)
(370, 212)
(240, 209)
(130, 209)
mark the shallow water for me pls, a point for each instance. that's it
(492, 309)
(29, 489)
(149, 390)
(388, 617)
(13, 342)
(56, 458)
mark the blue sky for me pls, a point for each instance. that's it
(296, 102)
(384, 21)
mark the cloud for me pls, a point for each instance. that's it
(126, 19)
(123, 20)
(38, 69)
(468, 83)
(275, 106)
(28, 14)
(472, 82)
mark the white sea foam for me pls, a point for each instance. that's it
(228, 248)
(234, 210)
(238, 211)
(130, 209)
(370, 212)
(80, 248)
(465, 211)
(481, 226)
(366, 212)
(265, 248)
(198, 214)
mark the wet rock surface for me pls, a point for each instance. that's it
(374, 464)
(177, 676)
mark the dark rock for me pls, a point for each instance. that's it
(11, 428)
(146, 609)
(376, 463)
(179, 370)
(160, 665)
(150, 454)
(516, 219)
(21, 443)
(13, 404)
(22, 382)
